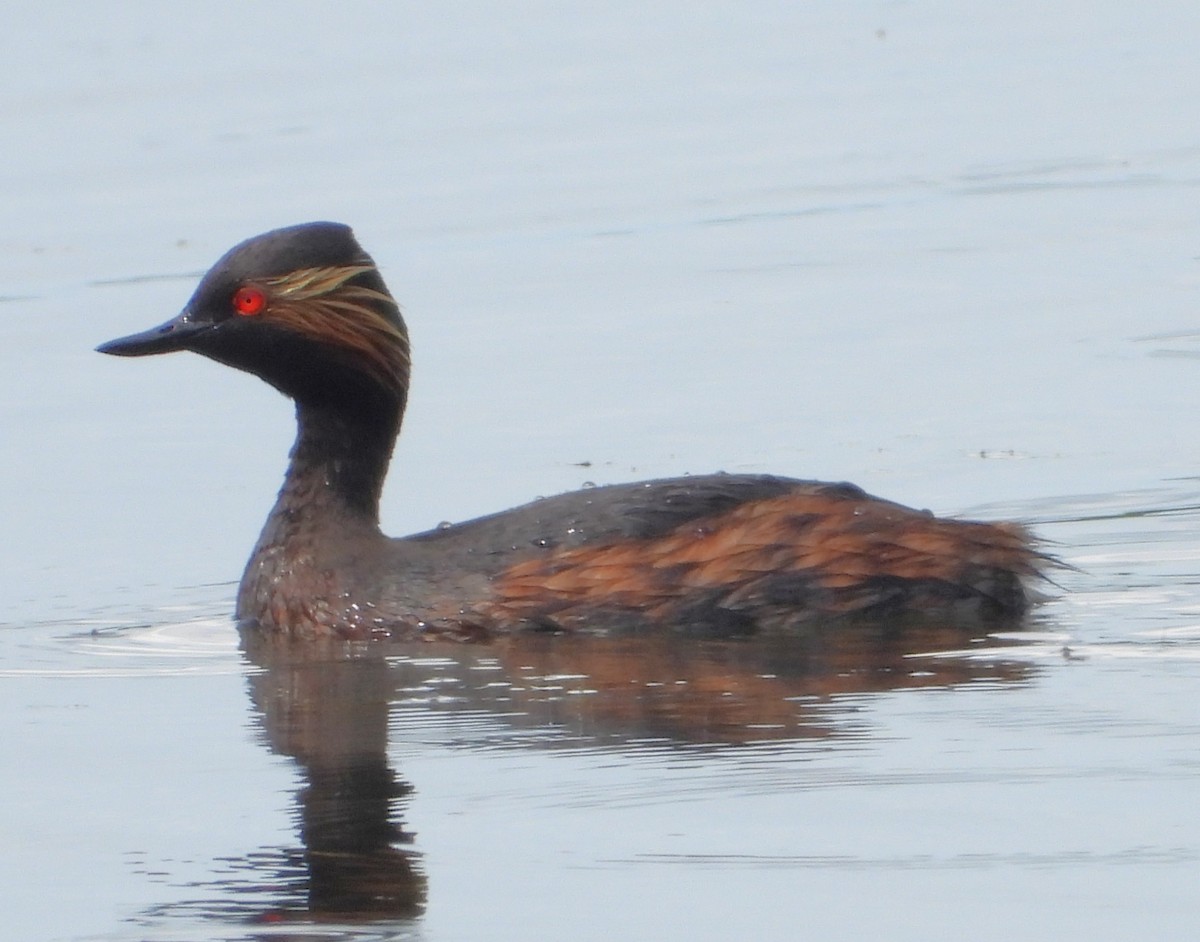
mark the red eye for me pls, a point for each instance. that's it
(249, 300)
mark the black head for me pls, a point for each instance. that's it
(304, 308)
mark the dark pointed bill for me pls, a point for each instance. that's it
(175, 334)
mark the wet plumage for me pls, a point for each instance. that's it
(306, 309)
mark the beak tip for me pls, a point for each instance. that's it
(176, 334)
(121, 347)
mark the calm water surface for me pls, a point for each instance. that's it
(950, 257)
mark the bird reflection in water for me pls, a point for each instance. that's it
(734, 691)
(327, 706)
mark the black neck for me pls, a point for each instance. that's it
(339, 461)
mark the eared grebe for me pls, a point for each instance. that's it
(305, 309)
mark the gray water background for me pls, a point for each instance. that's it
(946, 252)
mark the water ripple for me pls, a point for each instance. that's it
(204, 645)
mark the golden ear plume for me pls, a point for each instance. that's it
(321, 304)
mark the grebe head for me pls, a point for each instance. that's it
(304, 308)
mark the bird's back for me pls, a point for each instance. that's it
(728, 554)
